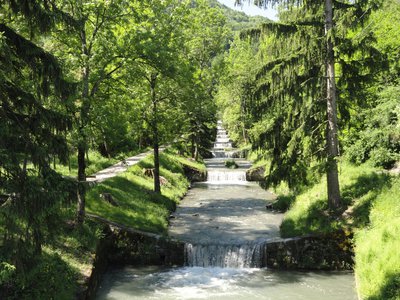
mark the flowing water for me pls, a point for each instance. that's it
(224, 224)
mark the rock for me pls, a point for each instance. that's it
(255, 174)
(163, 180)
(109, 198)
(269, 206)
(194, 175)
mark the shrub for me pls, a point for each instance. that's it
(231, 164)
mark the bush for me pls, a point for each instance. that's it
(384, 158)
(231, 164)
(51, 278)
(283, 202)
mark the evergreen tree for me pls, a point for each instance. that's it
(313, 37)
(33, 97)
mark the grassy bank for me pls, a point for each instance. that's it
(377, 248)
(94, 163)
(137, 206)
(67, 257)
(371, 209)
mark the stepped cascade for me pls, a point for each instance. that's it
(217, 173)
(224, 225)
(222, 145)
(219, 246)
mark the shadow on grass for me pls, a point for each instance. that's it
(43, 281)
(362, 194)
(137, 205)
(319, 219)
(391, 289)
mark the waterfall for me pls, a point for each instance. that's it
(221, 143)
(248, 255)
(244, 255)
(226, 176)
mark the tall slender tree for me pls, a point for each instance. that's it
(306, 70)
(154, 42)
(87, 33)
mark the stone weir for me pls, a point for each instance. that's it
(122, 245)
(126, 246)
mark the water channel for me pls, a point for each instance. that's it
(224, 224)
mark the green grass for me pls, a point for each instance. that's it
(138, 207)
(95, 163)
(377, 248)
(190, 162)
(67, 258)
(371, 209)
(231, 164)
(360, 186)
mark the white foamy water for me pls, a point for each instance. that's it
(226, 177)
(224, 283)
(224, 224)
(227, 256)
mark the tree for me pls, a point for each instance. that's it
(235, 96)
(206, 38)
(153, 44)
(87, 38)
(33, 99)
(324, 29)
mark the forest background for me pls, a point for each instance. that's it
(86, 83)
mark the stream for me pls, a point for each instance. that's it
(224, 224)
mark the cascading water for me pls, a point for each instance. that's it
(227, 177)
(225, 225)
(232, 255)
(222, 144)
(226, 256)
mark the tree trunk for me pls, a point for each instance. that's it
(157, 187)
(81, 193)
(82, 143)
(332, 136)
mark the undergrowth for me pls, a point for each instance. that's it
(94, 161)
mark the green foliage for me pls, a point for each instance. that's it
(283, 202)
(234, 97)
(33, 126)
(231, 164)
(46, 278)
(7, 271)
(379, 139)
(237, 20)
(283, 106)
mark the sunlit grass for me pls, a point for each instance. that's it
(360, 186)
(138, 207)
(377, 248)
(371, 209)
(95, 163)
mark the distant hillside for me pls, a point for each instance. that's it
(238, 20)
